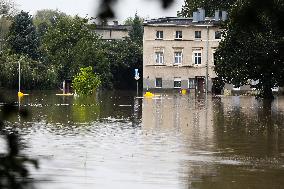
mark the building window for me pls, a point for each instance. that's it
(177, 82)
(218, 34)
(197, 34)
(178, 57)
(158, 82)
(178, 34)
(197, 57)
(191, 83)
(159, 35)
(159, 57)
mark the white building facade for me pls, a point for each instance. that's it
(178, 53)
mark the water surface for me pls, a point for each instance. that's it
(115, 140)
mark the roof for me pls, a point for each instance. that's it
(113, 27)
(180, 21)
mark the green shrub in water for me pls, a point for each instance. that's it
(86, 81)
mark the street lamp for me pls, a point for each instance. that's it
(20, 94)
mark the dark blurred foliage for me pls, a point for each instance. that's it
(107, 11)
(14, 173)
(253, 43)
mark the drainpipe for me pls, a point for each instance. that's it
(207, 58)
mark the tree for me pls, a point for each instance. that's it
(136, 32)
(253, 45)
(35, 74)
(22, 36)
(7, 8)
(86, 81)
(70, 44)
(209, 5)
(46, 18)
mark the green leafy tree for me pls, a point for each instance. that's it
(86, 81)
(69, 45)
(22, 37)
(34, 74)
(136, 32)
(46, 18)
(7, 8)
(209, 5)
(253, 45)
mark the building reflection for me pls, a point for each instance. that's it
(187, 115)
(221, 139)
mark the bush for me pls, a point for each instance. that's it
(86, 82)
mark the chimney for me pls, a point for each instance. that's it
(115, 23)
(224, 15)
(201, 13)
(217, 15)
(195, 17)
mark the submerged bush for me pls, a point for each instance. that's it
(86, 81)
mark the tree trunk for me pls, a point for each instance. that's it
(267, 91)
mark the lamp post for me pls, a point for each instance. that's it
(19, 76)
(20, 94)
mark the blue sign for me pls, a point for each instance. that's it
(136, 73)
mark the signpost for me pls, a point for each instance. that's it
(136, 77)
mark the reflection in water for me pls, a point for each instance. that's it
(114, 140)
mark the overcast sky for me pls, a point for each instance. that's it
(124, 8)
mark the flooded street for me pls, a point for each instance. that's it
(115, 140)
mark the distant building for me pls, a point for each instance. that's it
(179, 52)
(113, 32)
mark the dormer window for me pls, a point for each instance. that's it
(178, 34)
(159, 35)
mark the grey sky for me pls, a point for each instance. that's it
(124, 8)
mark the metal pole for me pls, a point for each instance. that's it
(137, 88)
(19, 76)
(207, 57)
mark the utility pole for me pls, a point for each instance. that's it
(207, 60)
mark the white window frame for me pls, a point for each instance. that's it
(194, 80)
(178, 34)
(200, 34)
(156, 82)
(159, 34)
(177, 79)
(178, 58)
(213, 60)
(159, 57)
(196, 54)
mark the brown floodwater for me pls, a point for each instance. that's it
(114, 140)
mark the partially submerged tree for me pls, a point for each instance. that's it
(253, 46)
